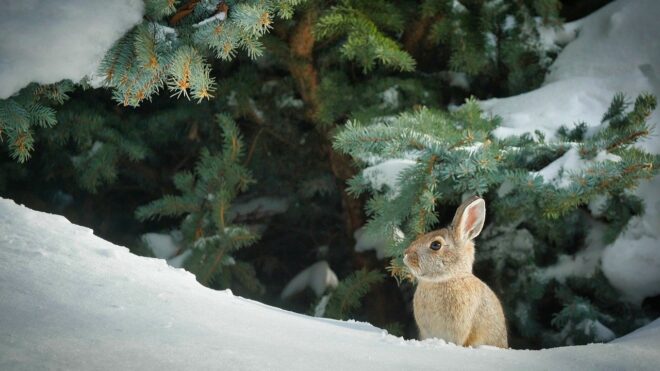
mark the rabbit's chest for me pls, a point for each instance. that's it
(442, 311)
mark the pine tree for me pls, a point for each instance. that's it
(173, 52)
(532, 219)
(209, 234)
(345, 299)
(304, 82)
(170, 48)
(174, 46)
(22, 113)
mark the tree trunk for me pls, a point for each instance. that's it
(304, 72)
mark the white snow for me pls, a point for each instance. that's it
(167, 246)
(617, 50)
(46, 41)
(553, 37)
(559, 171)
(455, 79)
(162, 245)
(509, 23)
(289, 101)
(390, 97)
(218, 17)
(632, 262)
(319, 309)
(179, 260)
(584, 263)
(258, 207)
(597, 205)
(163, 34)
(96, 147)
(505, 188)
(365, 241)
(508, 243)
(459, 80)
(471, 149)
(70, 300)
(387, 174)
(317, 276)
(589, 326)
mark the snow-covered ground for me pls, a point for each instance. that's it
(617, 49)
(70, 300)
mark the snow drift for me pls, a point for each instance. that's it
(70, 300)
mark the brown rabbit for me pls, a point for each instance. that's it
(450, 303)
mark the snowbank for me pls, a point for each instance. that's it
(70, 300)
(617, 50)
(46, 41)
(632, 262)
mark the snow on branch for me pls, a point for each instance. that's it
(48, 41)
(219, 17)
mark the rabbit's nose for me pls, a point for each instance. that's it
(410, 258)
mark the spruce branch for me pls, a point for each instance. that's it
(421, 223)
(346, 297)
(209, 232)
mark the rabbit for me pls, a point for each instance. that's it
(450, 303)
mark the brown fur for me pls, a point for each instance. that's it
(451, 303)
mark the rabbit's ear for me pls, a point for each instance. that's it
(469, 219)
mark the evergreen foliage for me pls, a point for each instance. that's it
(304, 82)
(100, 144)
(362, 24)
(344, 300)
(531, 221)
(22, 113)
(176, 43)
(209, 234)
(493, 38)
(154, 55)
(170, 48)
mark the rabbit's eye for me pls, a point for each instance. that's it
(435, 245)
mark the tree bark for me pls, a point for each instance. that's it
(416, 42)
(305, 74)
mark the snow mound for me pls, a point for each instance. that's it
(70, 300)
(617, 50)
(318, 276)
(632, 262)
(46, 41)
